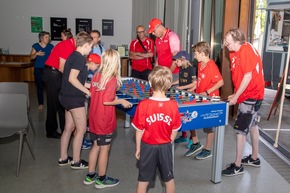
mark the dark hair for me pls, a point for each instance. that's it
(96, 31)
(67, 33)
(41, 34)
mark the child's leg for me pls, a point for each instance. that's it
(206, 153)
(209, 140)
(182, 138)
(79, 117)
(195, 146)
(193, 135)
(170, 186)
(142, 187)
(103, 159)
(184, 134)
(65, 137)
(93, 157)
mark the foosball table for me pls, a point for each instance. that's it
(196, 112)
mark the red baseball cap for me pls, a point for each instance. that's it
(95, 58)
(153, 24)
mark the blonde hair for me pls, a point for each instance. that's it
(202, 47)
(160, 78)
(184, 63)
(110, 67)
(83, 38)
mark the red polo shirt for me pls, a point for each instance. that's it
(165, 46)
(62, 50)
(143, 64)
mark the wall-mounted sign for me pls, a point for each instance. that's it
(36, 24)
(83, 25)
(56, 26)
(108, 27)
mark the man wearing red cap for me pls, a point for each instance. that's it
(167, 45)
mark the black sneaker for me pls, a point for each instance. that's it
(80, 165)
(233, 170)
(248, 161)
(65, 162)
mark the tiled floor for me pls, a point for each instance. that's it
(43, 175)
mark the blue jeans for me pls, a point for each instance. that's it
(39, 84)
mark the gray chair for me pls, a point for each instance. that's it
(18, 88)
(13, 120)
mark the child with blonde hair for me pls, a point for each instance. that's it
(156, 121)
(102, 117)
(186, 81)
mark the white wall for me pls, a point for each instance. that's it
(15, 22)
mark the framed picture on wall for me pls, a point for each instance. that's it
(83, 25)
(108, 27)
(57, 24)
(121, 50)
(36, 24)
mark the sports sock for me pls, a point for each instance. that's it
(101, 178)
(91, 174)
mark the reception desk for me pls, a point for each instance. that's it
(14, 71)
(16, 68)
(125, 66)
(20, 68)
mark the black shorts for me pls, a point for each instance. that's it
(102, 139)
(71, 102)
(153, 157)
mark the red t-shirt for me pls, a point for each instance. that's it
(247, 59)
(207, 76)
(165, 47)
(157, 119)
(143, 64)
(102, 118)
(62, 50)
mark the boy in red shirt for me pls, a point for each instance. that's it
(156, 121)
(209, 80)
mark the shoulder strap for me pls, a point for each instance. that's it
(141, 44)
(101, 49)
(150, 59)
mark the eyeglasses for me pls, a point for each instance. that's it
(227, 43)
(156, 28)
(139, 32)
